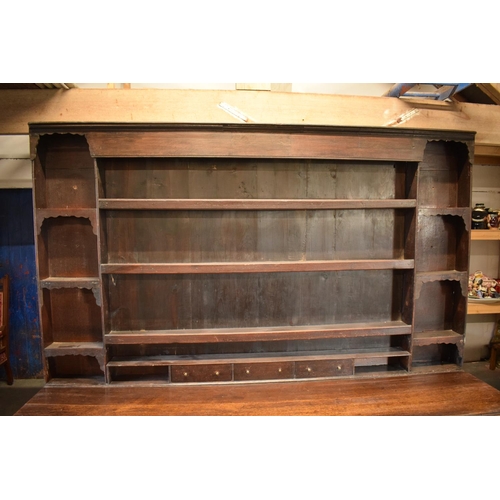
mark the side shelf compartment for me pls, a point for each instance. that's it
(63, 172)
(67, 245)
(67, 248)
(440, 324)
(438, 351)
(441, 258)
(72, 327)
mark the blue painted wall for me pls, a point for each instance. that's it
(17, 259)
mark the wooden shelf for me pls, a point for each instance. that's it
(427, 369)
(93, 349)
(43, 214)
(485, 235)
(63, 282)
(74, 348)
(252, 204)
(437, 211)
(437, 337)
(259, 334)
(379, 371)
(452, 275)
(478, 189)
(69, 382)
(46, 213)
(254, 358)
(257, 267)
(474, 307)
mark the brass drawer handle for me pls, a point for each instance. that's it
(217, 373)
(247, 372)
(185, 374)
(339, 367)
(309, 369)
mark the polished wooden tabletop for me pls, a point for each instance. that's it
(457, 393)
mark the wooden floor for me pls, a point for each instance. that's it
(456, 393)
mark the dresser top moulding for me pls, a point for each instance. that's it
(252, 140)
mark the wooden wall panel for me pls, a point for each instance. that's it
(156, 302)
(248, 236)
(223, 178)
(254, 144)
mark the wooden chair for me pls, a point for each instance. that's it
(4, 328)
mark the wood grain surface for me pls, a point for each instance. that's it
(20, 107)
(442, 394)
(197, 228)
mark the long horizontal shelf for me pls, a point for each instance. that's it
(258, 334)
(251, 204)
(74, 348)
(258, 267)
(485, 235)
(65, 282)
(437, 337)
(253, 357)
(474, 307)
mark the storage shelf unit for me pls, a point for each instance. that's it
(246, 368)
(484, 307)
(485, 252)
(177, 254)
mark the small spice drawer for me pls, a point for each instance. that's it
(263, 371)
(324, 368)
(201, 373)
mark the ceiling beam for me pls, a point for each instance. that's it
(492, 90)
(20, 107)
